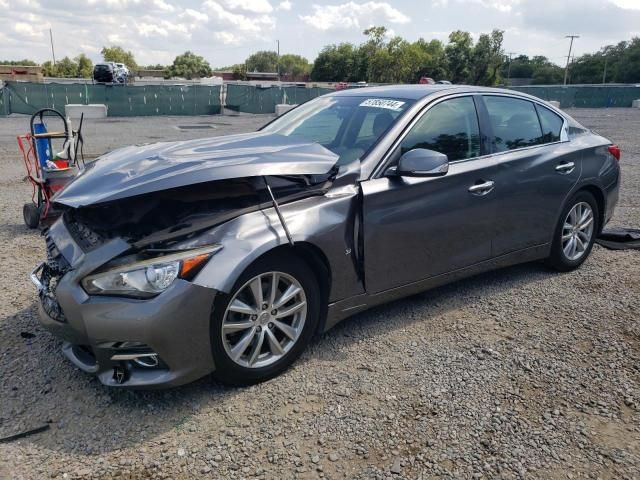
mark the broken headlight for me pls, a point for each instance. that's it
(148, 278)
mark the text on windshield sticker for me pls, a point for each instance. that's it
(382, 103)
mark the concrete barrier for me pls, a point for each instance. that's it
(94, 110)
(555, 103)
(636, 103)
(283, 108)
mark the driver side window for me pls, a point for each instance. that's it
(450, 127)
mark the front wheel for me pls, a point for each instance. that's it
(264, 324)
(575, 233)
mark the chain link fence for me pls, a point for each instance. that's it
(585, 96)
(121, 100)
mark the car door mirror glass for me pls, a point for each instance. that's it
(421, 162)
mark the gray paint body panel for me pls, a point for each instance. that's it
(416, 233)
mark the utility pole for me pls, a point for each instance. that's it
(278, 42)
(604, 74)
(511, 54)
(566, 70)
(53, 53)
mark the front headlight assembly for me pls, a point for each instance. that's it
(150, 277)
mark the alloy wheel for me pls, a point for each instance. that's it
(264, 319)
(577, 231)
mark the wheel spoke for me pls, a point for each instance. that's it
(569, 247)
(584, 237)
(289, 293)
(291, 310)
(275, 279)
(288, 330)
(579, 244)
(274, 344)
(258, 347)
(256, 291)
(586, 223)
(566, 237)
(239, 306)
(241, 346)
(231, 327)
(573, 215)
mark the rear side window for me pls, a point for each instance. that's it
(515, 122)
(551, 124)
(450, 127)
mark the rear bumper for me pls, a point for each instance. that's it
(175, 326)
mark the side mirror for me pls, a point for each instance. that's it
(421, 162)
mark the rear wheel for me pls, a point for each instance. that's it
(31, 215)
(575, 233)
(264, 324)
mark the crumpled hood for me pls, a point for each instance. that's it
(136, 170)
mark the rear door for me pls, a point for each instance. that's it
(537, 168)
(415, 228)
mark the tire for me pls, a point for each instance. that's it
(559, 259)
(31, 215)
(266, 363)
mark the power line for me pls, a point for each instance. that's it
(566, 69)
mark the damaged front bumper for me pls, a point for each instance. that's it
(137, 343)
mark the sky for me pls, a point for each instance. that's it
(225, 32)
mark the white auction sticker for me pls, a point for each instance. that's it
(383, 103)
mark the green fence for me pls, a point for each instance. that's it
(252, 99)
(586, 96)
(121, 101)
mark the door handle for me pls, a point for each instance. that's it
(481, 188)
(566, 167)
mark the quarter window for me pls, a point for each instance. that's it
(551, 124)
(450, 127)
(515, 122)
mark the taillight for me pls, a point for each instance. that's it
(615, 151)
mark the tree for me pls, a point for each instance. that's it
(335, 63)
(85, 66)
(157, 66)
(239, 72)
(432, 62)
(119, 55)
(294, 65)
(189, 66)
(458, 53)
(262, 61)
(24, 63)
(486, 59)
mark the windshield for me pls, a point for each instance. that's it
(348, 126)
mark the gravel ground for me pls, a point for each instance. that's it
(512, 374)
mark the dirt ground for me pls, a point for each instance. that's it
(512, 374)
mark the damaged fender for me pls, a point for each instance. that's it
(250, 236)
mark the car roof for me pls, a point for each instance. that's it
(418, 92)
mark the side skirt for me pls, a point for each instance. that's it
(342, 309)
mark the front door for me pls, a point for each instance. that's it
(415, 228)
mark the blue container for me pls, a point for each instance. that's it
(43, 145)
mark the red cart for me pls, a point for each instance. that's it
(47, 171)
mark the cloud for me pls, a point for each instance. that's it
(237, 21)
(194, 15)
(27, 30)
(352, 15)
(285, 5)
(250, 6)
